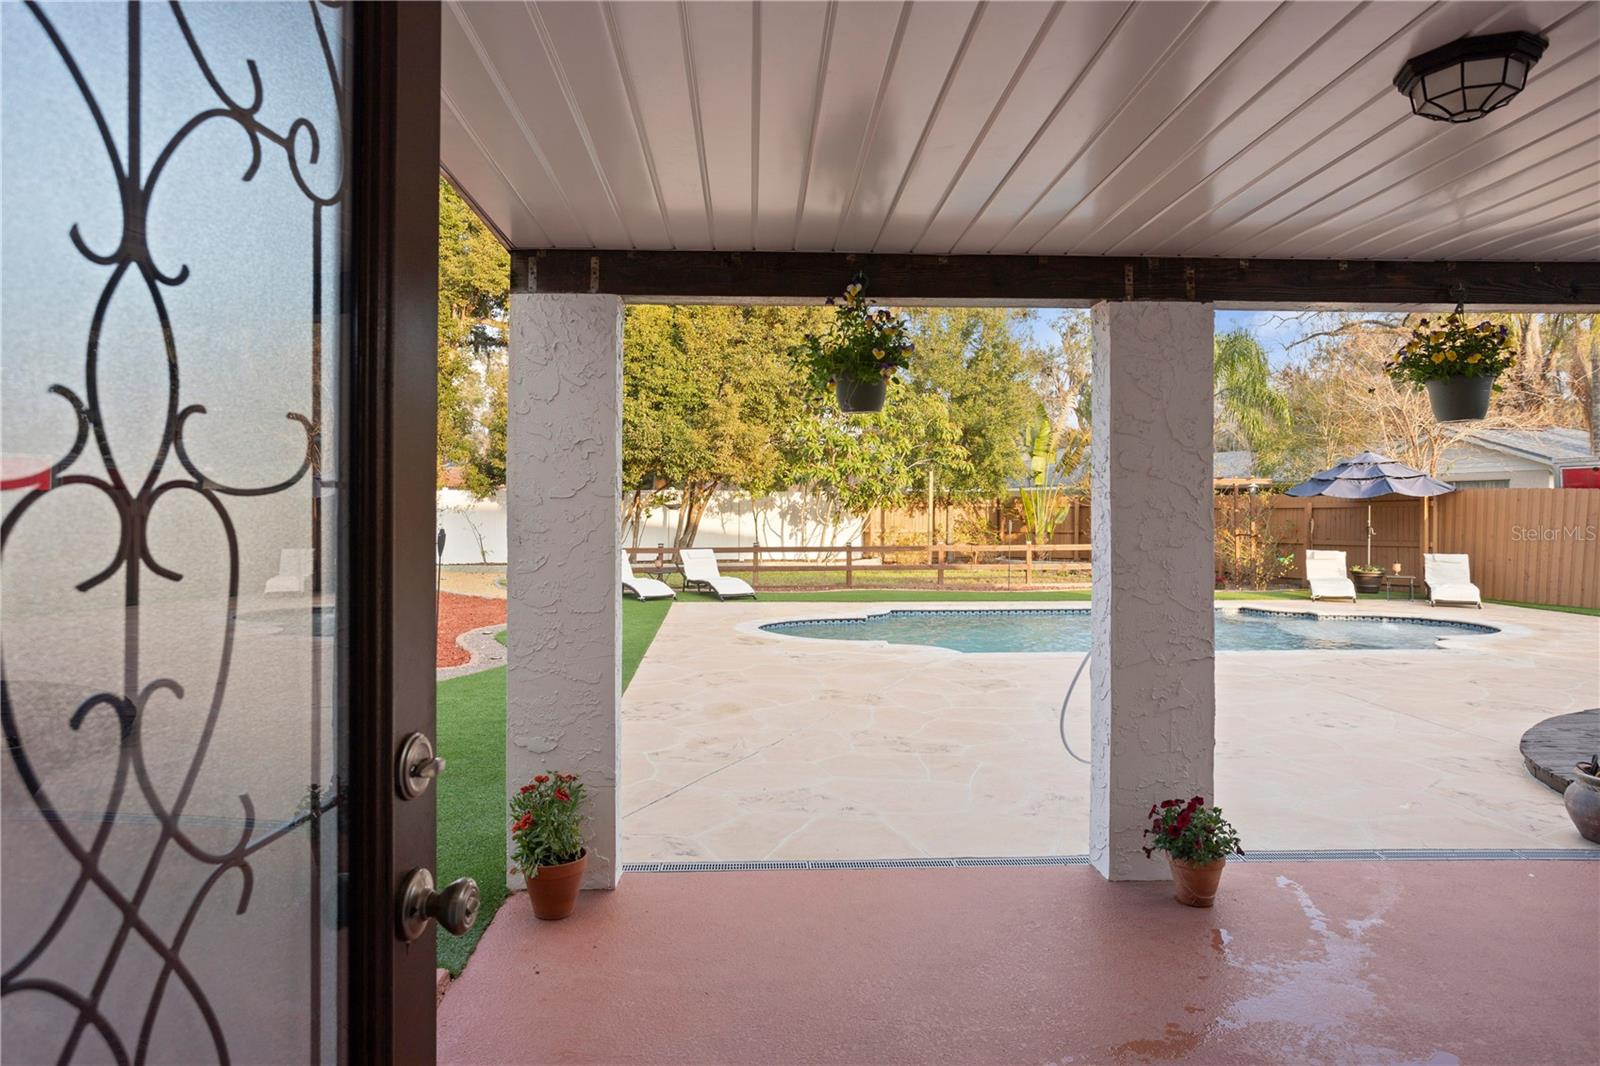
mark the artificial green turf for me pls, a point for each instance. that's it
(1593, 611)
(472, 791)
(472, 798)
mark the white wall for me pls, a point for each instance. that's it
(474, 530)
(731, 520)
(1465, 461)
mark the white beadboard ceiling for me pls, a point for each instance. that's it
(1206, 129)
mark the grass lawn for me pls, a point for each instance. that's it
(472, 791)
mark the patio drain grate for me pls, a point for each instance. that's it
(1357, 855)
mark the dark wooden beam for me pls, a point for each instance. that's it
(780, 277)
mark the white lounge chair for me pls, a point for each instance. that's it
(294, 573)
(1328, 577)
(699, 568)
(1449, 579)
(644, 588)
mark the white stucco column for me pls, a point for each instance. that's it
(1153, 703)
(563, 487)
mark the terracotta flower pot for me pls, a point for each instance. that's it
(554, 891)
(1582, 800)
(1196, 884)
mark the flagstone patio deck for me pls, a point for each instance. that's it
(740, 744)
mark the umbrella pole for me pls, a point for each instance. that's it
(1369, 534)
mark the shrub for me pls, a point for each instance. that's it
(546, 821)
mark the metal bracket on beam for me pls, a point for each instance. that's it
(1127, 281)
(594, 273)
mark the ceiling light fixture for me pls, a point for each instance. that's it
(1470, 77)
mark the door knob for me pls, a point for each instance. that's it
(455, 908)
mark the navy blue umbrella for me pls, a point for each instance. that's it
(1367, 476)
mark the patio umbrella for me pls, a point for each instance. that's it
(1366, 477)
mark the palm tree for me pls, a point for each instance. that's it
(1249, 409)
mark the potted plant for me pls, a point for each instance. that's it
(1198, 841)
(1582, 798)
(858, 354)
(1456, 363)
(1367, 578)
(547, 841)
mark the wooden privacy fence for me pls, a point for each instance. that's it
(883, 565)
(1525, 545)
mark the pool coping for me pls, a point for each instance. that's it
(1482, 633)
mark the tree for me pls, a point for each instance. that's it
(1341, 402)
(977, 362)
(474, 281)
(854, 463)
(1249, 409)
(708, 393)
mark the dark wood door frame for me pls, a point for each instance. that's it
(1054, 280)
(389, 481)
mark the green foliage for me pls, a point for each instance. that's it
(547, 821)
(1250, 410)
(708, 394)
(859, 462)
(861, 342)
(1053, 457)
(1452, 348)
(976, 361)
(1191, 831)
(474, 279)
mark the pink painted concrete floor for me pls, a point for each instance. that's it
(1339, 962)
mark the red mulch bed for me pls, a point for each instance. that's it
(459, 614)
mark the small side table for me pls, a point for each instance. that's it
(1393, 581)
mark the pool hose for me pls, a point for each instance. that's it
(1063, 724)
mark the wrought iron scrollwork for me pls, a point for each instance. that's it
(135, 496)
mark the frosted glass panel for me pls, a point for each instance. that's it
(172, 191)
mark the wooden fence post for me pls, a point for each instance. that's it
(941, 563)
(1027, 564)
(755, 564)
(849, 566)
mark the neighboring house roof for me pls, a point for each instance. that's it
(1551, 447)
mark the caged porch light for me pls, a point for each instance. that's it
(1469, 77)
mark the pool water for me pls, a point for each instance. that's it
(1067, 630)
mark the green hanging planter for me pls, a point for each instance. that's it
(857, 397)
(1460, 399)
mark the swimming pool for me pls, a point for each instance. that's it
(1067, 630)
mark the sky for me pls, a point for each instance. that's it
(1271, 328)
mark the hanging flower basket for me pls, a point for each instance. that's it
(1456, 363)
(859, 353)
